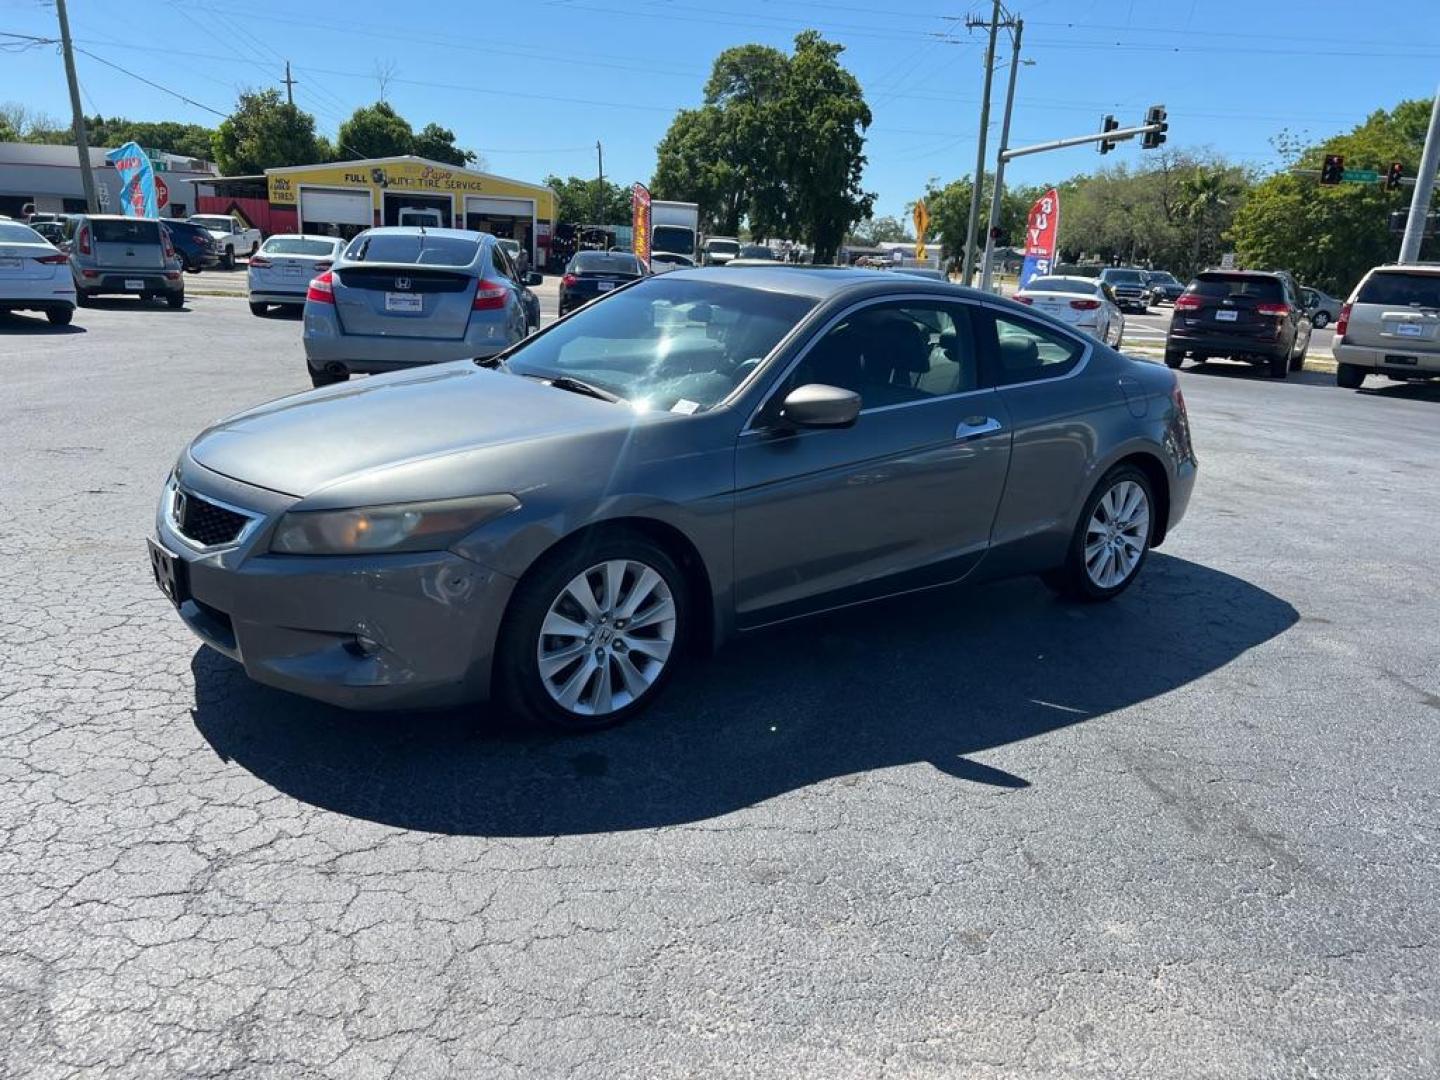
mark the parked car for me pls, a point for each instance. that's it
(757, 251)
(1084, 303)
(232, 239)
(52, 231)
(1128, 288)
(529, 302)
(114, 255)
(34, 275)
(662, 262)
(1243, 314)
(281, 271)
(1322, 308)
(401, 296)
(718, 250)
(1390, 326)
(922, 272)
(703, 454)
(519, 257)
(594, 273)
(193, 244)
(1161, 286)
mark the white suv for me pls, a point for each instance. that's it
(1390, 326)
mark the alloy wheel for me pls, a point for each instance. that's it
(607, 637)
(1116, 534)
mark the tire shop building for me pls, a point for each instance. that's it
(343, 198)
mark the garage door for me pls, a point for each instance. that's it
(336, 207)
(493, 207)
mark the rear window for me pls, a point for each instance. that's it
(294, 245)
(126, 232)
(420, 250)
(1087, 288)
(1225, 286)
(1401, 289)
(12, 232)
(599, 262)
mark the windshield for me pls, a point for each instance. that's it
(1401, 289)
(665, 344)
(1123, 277)
(723, 247)
(672, 238)
(421, 249)
(220, 223)
(298, 245)
(1086, 288)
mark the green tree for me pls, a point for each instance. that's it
(438, 144)
(579, 201)
(1330, 236)
(696, 162)
(887, 229)
(949, 207)
(187, 140)
(265, 133)
(376, 131)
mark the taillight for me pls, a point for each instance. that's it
(82, 242)
(1342, 322)
(1024, 300)
(58, 259)
(259, 262)
(1187, 302)
(489, 296)
(1084, 305)
(569, 279)
(166, 244)
(1278, 310)
(322, 289)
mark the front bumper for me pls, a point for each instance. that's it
(365, 632)
(1397, 361)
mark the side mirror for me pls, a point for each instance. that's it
(816, 405)
(532, 279)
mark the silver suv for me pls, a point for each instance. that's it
(1390, 326)
(111, 254)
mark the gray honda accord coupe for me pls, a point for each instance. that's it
(698, 455)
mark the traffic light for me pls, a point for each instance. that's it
(1108, 124)
(1333, 171)
(1151, 139)
(1392, 178)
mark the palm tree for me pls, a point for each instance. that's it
(1204, 197)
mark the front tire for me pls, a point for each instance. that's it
(1319, 320)
(593, 633)
(1349, 377)
(1111, 539)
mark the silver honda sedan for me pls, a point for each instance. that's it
(702, 454)
(400, 297)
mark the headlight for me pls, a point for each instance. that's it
(420, 526)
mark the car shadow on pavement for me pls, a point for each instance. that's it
(1404, 391)
(132, 303)
(931, 678)
(1236, 369)
(14, 323)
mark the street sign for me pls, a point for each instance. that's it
(1360, 176)
(922, 226)
(1227, 261)
(162, 194)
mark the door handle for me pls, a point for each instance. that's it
(973, 427)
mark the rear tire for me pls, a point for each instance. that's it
(535, 695)
(227, 259)
(328, 378)
(260, 309)
(1280, 366)
(83, 298)
(1349, 377)
(1095, 580)
(175, 301)
(60, 316)
(1174, 359)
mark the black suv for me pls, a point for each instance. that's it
(1248, 315)
(1129, 287)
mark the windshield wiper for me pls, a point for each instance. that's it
(580, 386)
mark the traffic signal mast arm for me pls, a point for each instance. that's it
(1080, 140)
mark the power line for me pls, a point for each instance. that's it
(151, 82)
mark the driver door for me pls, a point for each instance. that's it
(904, 498)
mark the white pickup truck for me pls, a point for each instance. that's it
(231, 238)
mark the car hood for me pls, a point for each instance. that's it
(387, 434)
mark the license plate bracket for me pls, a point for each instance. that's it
(172, 573)
(405, 303)
(134, 283)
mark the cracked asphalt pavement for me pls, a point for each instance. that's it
(975, 833)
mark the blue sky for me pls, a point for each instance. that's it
(533, 84)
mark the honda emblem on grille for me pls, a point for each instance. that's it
(177, 508)
(402, 283)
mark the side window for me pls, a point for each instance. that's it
(894, 354)
(501, 261)
(1025, 351)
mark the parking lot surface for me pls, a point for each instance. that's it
(979, 832)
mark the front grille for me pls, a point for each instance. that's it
(204, 522)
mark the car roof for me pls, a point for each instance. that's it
(1244, 273)
(1064, 277)
(822, 282)
(426, 230)
(1407, 268)
(305, 236)
(119, 217)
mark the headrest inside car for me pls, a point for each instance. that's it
(1019, 354)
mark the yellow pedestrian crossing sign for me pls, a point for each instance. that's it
(922, 225)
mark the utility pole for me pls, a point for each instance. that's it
(969, 263)
(77, 116)
(599, 184)
(289, 85)
(1424, 189)
(995, 196)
